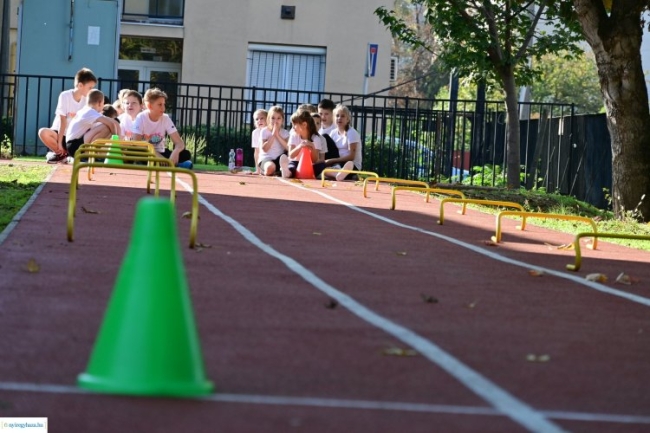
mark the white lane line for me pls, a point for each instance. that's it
(566, 275)
(509, 405)
(339, 403)
(16, 219)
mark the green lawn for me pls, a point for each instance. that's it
(18, 180)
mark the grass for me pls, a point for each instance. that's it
(535, 201)
(19, 179)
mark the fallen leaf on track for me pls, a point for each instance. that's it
(400, 253)
(316, 233)
(531, 357)
(331, 304)
(242, 183)
(397, 351)
(429, 299)
(600, 278)
(32, 267)
(535, 273)
(89, 210)
(624, 279)
(188, 215)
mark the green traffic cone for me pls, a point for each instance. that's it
(112, 152)
(148, 343)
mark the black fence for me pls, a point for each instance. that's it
(434, 140)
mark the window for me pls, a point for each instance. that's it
(300, 70)
(154, 11)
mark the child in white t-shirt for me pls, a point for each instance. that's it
(68, 104)
(347, 141)
(274, 142)
(259, 117)
(90, 124)
(154, 125)
(305, 136)
(132, 106)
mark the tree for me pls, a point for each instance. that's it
(421, 74)
(493, 39)
(573, 81)
(615, 38)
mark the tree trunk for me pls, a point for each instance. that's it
(616, 43)
(512, 150)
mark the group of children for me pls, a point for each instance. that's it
(82, 116)
(324, 130)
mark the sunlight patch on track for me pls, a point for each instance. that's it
(338, 403)
(574, 278)
(500, 399)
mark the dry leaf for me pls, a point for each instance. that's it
(331, 304)
(624, 279)
(472, 304)
(600, 278)
(242, 183)
(566, 246)
(199, 244)
(428, 299)
(535, 273)
(396, 351)
(490, 243)
(400, 253)
(187, 214)
(531, 357)
(32, 267)
(316, 233)
(88, 210)
(294, 180)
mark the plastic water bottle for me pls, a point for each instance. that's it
(231, 160)
(239, 158)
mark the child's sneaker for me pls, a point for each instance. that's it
(68, 160)
(284, 166)
(185, 164)
(56, 157)
(342, 175)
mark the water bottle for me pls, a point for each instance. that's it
(231, 160)
(239, 158)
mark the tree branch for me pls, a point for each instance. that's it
(531, 31)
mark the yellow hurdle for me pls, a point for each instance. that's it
(466, 201)
(576, 244)
(497, 235)
(160, 166)
(340, 170)
(391, 180)
(427, 190)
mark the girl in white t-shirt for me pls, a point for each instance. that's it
(259, 117)
(305, 136)
(348, 143)
(274, 142)
(153, 125)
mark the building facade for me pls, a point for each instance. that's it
(304, 45)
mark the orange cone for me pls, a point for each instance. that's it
(305, 168)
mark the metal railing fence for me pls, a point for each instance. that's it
(410, 138)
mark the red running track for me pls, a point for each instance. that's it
(499, 351)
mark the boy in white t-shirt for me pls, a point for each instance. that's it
(259, 117)
(90, 124)
(132, 106)
(154, 125)
(68, 104)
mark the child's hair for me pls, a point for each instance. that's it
(154, 94)
(106, 100)
(326, 104)
(308, 107)
(345, 111)
(274, 109)
(133, 93)
(95, 96)
(109, 111)
(315, 115)
(117, 104)
(260, 111)
(83, 76)
(303, 116)
(122, 93)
